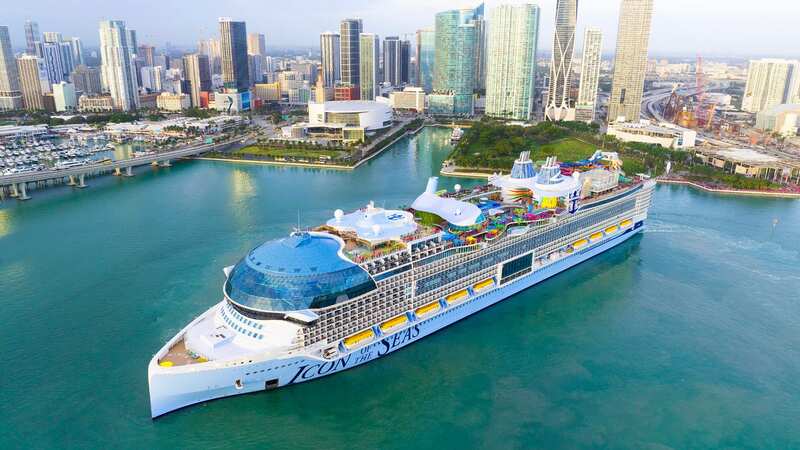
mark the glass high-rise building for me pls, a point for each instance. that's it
(197, 72)
(369, 49)
(630, 60)
(32, 36)
(391, 60)
(511, 61)
(10, 94)
(118, 69)
(233, 48)
(454, 63)
(590, 74)
(559, 105)
(426, 51)
(349, 34)
(329, 47)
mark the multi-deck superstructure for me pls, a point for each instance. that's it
(374, 280)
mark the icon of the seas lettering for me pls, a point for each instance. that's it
(309, 371)
(391, 342)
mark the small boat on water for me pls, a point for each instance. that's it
(456, 135)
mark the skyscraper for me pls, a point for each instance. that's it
(147, 53)
(256, 44)
(53, 63)
(405, 62)
(426, 51)
(391, 60)
(454, 64)
(77, 51)
(31, 70)
(590, 74)
(630, 60)
(559, 105)
(87, 80)
(369, 51)
(329, 47)
(211, 48)
(480, 47)
(198, 74)
(118, 70)
(511, 61)
(233, 45)
(10, 95)
(349, 32)
(771, 82)
(31, 36)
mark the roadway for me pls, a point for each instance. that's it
(20, 179)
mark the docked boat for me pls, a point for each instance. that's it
(369, 282)
(456, 135)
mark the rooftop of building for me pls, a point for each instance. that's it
(353, 106)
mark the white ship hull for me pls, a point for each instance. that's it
(186, 385)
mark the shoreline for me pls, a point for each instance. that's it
(744, 193)
(311, 165)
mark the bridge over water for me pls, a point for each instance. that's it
(16, 185)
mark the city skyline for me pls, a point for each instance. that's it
(741, 36)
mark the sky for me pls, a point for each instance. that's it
(711, 28)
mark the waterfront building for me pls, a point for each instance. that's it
(64, 97)
(559, 104)
(782, 119)
(10, 94)
(590, 74)
(369, 55)
(198, 74)
(511, 59)
(31, 73)
(95, 103)
(630, 60)
(87, 80)
(665, 134)
(426, 54)
(349, 41)
(410, 98)
(771, 82)
(256, 44)
(32, 36)
(118, 70)
(750, 163)
(173, 102)
(330, 46)
(348, 121)
(454, 64)
(233, 46)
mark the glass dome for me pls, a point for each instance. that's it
(303, 271)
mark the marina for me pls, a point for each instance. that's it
(576, 358)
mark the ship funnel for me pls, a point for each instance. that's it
(433, 185)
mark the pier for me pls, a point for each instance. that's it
(18, 185)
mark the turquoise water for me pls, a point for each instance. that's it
(685, 337)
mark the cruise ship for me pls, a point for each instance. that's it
(371, 281)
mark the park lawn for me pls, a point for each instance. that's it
(567, 150)
(289, 152)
